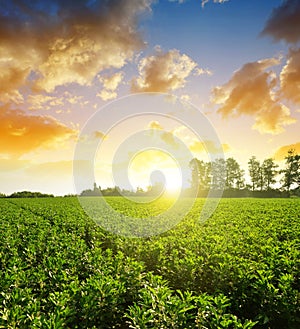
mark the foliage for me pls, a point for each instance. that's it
(234, 175)
(29, 194)
(292, 171)
(269, 172)
(239, 269)
(255, 173)
(228, 176)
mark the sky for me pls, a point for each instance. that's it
(116, 91)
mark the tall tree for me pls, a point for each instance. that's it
(240, 179)
(255, 173)
(218, 172)
(201, 174)
(292, 171)
(234, 174)
(195, 174)
(269, 172)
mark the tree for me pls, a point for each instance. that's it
(269, 172)
(29, 194)
(218, 171)
(139, 191)
(201, 174)
(292, 171)
(255, 173)
(195, 174)
(234, 175)
(240, 179)
(96, 189)
(156, 189)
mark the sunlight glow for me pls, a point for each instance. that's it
(173, 180)
(150, 167)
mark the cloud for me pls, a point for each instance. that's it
(226, 147)
(149, 160)
(169, 139)
(41, 102)
(107, 94)
(13, 96)
(112, 82)
(163, 72)
(167, 136)
(100, 135)
(188, 138)
(10, 78)
(73, 99)
(201, 71)
(282, 152)
(185, 98)
(155, 125)
(110, 85)
(204, 2)
(46, 101)
(179, 1)
(290, 77)
(252, 91)
(21, 133)
(284, 23)
(207, 146)
(49, 44)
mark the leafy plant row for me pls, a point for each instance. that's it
(240, 269)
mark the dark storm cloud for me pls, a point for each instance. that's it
(284, 22)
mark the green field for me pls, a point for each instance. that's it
(239, 269)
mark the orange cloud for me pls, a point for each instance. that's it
(167, 136)
(207, 146)
(21, 133)
(107, 94)
(251, 91)
(169, 139)
(46, 102)
(110, 85)
(290, 77)
(282, 152)
(150, 158)
(100, 135)
(163, 72)
(112, 82)
(155, 125)
(48, 46)
(185, 98)
(11, 78)
(42, 102)
(284, 23)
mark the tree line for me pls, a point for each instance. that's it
(27, 194)
(228, 175)
(117, 191)
(266, 179)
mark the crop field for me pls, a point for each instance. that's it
(238, 269)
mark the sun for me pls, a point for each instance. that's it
(154, 166)
(173, 180)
